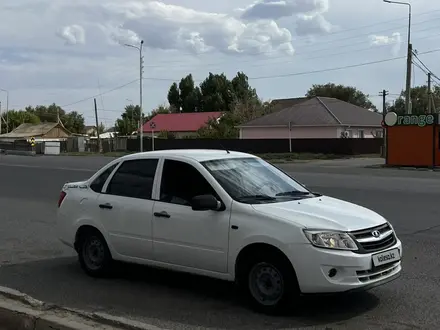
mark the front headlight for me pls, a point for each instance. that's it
(331, 240)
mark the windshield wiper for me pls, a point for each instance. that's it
(293, 193)
(257, 197)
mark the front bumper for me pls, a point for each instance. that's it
(354, 272)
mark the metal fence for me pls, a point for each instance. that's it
(256, 146)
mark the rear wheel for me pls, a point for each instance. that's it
(269, 282)
(94, 255)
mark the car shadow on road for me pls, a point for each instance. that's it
(161, 296)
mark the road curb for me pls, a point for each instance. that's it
(405, 168)
(20, 311)
(18, 152)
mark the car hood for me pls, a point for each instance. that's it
(323, 213)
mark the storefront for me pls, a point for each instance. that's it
(412, 140)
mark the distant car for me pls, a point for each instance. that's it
(230, 216)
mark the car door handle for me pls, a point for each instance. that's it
(106, 206)
(162, 214)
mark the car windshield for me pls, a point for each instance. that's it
(253, 180)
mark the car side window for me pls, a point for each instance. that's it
(99, 182)
(134, 178)
(181, 182)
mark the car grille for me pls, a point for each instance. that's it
(368, 243)
(376, 272)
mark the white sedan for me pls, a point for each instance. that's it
(230, 216)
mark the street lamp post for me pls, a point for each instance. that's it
(7, 110)
(141, 72)
(408, 109)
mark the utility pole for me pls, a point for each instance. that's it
(1, 118)
(408, 108)
(384, 94)
(97, 127)
(429, 93)
(141, 76)
(7, 108)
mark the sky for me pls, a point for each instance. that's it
(69, 51)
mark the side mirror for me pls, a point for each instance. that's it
(205, 203)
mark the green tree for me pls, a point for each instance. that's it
(215, 93)
(16, 118)
(345, 93)
(160, 109)
(47, 114)
(73, 122)
(189, 94)
(242, 89)
(419, 100)
(128, 123)
(174, 96)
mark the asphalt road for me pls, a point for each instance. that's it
(32, 260)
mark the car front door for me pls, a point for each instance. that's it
(181, 236)
(126, 208)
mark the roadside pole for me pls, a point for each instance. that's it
(97, 126)
(429, 93)
(384, 94)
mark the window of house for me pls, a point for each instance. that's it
(181, 182)
(99, 182)
(134, 178)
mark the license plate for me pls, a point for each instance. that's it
(386, 257)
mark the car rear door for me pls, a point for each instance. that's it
(126, 208)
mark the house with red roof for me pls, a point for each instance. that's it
(180, 124)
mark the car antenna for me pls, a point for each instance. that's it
(221, 145)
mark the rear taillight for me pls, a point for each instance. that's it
(62, 196)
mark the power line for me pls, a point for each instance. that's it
(263, 77)
(99, 94)
(425, 68)
(419, 67)
(315, 71)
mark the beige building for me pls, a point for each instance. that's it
(314, 118)
(38, 131)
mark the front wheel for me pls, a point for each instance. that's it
(94, 254)
(271, 283)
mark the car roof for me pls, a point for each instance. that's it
(199, 155)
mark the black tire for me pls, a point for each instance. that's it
(92, 242)
(279, 272)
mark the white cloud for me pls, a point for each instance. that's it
(380, 40)
(312, 25)
(276, 9)
(165, 26)
(308, 14)
(73, 34)
(117, 35)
